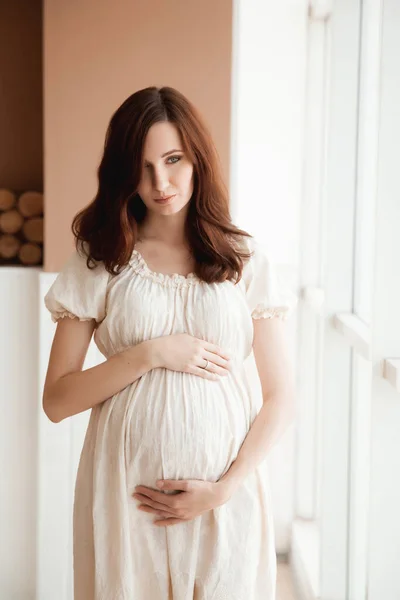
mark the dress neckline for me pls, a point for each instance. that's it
(139, 263)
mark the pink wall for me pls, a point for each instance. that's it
(96, 53)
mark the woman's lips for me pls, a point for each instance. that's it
(164, 200)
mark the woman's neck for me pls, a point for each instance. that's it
(166, 231)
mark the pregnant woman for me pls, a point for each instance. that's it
(172, 499)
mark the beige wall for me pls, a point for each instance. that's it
(21, 155)
(96, 53)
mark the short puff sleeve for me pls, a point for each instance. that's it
(78, 291)
(266, 297)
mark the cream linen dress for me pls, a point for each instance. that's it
(170, 425)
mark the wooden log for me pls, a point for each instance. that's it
(9, 246)
(33, 229)
(30, 204)
(30, 254)
(11, 221)
(7, 199)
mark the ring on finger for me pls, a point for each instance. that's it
(207, 361)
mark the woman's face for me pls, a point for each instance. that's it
(167, 171)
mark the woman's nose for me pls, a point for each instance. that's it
(160, 180)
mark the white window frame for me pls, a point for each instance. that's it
(323, 494)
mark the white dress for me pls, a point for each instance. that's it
(170, 425)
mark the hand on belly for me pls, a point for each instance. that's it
(194, 498)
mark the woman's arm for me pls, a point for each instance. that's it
(68, 390)
(277, 382)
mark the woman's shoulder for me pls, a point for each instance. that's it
(78, 289)
(255, 252)
(82, 264)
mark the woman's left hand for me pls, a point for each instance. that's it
(195, 498)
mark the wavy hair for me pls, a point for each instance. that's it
(107, 227)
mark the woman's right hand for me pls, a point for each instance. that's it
(183, 352)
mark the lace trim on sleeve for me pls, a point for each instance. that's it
(262, 311)
(60, 315)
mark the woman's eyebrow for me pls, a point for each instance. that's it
(170, 152)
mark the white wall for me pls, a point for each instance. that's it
(268, 78)
(18, 430)
(38, 459)
(269, 61)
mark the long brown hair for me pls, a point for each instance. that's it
(107, 227)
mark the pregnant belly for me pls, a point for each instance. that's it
(181, 426)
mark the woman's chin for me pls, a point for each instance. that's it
(171, 208)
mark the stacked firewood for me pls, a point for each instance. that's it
(21, 228)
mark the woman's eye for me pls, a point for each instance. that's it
(175, 159)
